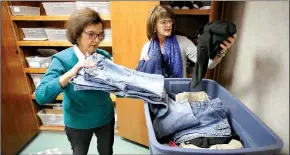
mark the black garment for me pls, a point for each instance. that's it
(209, 45)
(206, 142)
(80, 139)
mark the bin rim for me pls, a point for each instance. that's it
(277, 146)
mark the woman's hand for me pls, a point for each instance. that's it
(64, 79)
(144, 57)
(78, 66)
(227, 44)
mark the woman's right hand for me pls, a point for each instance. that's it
(64, 79)
(144, 57)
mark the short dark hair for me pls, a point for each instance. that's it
(157, 13)
(78, 21)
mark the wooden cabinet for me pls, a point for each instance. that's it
(129, 34)
(18, 118)
(131, 120)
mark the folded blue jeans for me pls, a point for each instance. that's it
(178, 117)
(123, 77)
(113, 78)
(81, 84)
(212, 119)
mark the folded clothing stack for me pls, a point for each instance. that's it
(110, 77)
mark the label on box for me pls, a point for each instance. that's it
(16, 9)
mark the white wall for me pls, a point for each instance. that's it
(256, 69)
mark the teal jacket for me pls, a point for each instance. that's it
(81, 109)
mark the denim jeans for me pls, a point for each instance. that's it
(212, 119)
(81, 84)
(124, 77)
(178, 117)
(113, 78)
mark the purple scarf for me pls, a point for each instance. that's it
(172, 51)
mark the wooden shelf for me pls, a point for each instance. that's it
(191, 12)
(60, 97)
(48, 18)
(56, 43)
(35, 70)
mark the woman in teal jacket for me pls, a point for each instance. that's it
(85, 112)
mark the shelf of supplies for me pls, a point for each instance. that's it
(57, 43)
(191, 12)
(60, 97)
(35, 70)
(48, 18)
(57, 128)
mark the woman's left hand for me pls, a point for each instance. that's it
(227, 44)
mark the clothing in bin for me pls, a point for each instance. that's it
(196, 121)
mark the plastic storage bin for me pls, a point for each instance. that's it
(36, 79)
(38, 62)
(50, 119)
(34, 33)
(56, 34)
(100, 7)
(59, 8)
(256, 137)
(25, 10)
(108, 34)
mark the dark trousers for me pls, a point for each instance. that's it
(80, 139)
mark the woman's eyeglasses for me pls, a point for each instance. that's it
(163, 22)
(93, 35)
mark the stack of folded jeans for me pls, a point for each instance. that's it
(110, 77)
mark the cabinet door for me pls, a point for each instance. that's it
(18, 121)
(128, 23)
(131, 120)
